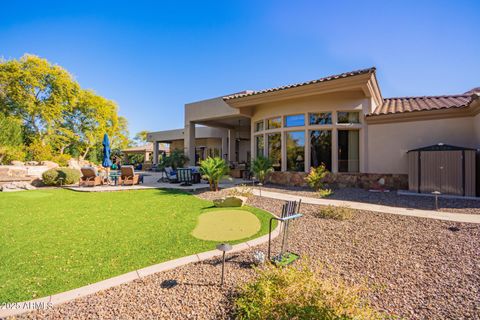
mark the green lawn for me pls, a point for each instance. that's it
(56, 240)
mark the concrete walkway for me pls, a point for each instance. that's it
(431, 214)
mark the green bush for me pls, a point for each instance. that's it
(324, 193)
(336, 213)
(300, 292)
(57, 176)
(61, 159)
(316, 176)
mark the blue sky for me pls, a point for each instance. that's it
(152, 57)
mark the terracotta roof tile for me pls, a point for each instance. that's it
(414, 104)
(324, 79)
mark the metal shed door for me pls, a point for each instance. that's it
(442, 171)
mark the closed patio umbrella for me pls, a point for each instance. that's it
(106, 163)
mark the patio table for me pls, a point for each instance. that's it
(114, 175)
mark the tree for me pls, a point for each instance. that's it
(213, 170)
(11, 139)
(141, 137)
(37, 92)
(55, 113)
(176, 159)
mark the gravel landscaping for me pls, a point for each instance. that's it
(415, 268)
(387, 198)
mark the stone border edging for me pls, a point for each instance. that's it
(17, 308)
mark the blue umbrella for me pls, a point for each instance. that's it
(106, 163)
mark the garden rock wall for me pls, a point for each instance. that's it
(342, 180)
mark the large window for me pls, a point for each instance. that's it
(321, 118)
(295, 150)
(275, 150)
(348, 151)
(259, 126)
(348, 117)
(259, 144)
(274, 123)
(297, 120)
(321, 148)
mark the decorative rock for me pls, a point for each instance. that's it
(32, 163)
(16, 186)
(73, 164)
(50, 164)
(17, 163)
(229, 202)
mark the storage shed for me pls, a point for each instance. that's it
(445, 168)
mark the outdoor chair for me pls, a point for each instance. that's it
(90, 177)
(184, 176)
(171, 175)
(128, 176)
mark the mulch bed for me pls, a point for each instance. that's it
(387, 198)
(415, 268)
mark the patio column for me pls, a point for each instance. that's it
(231, 144)
(224, 154)
(189, 137)
(155, 152)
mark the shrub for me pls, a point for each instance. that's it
(261, 167)
(323, 193)
(10, 153)
(242, 190)
(336, 213)
(68, 176)
(316, 176)
(62, 159)
(300, 292)
(213, 170)
(176, 159)
(39, 151)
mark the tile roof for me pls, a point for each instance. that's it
(412, 104)
(324, 79)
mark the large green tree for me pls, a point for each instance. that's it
(55, 112)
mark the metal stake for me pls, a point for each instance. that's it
(223, 268)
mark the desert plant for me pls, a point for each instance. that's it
(336, 213)
(323, 193)
(58, 176)
(213, 170)
(242, 190)
(261, 167)
(316, 176)
(301, 292)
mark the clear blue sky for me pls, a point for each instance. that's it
(153, 57)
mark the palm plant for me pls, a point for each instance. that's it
(176, 159)
(261, 167)
(213, 170)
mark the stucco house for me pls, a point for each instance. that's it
(342, 121)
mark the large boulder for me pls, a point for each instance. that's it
(17, 163)
(50, 164)
(229, 202)
(73, 164)
(32, 163)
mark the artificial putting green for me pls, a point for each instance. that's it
(226, 225)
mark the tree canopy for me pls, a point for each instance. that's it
(56, 115)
